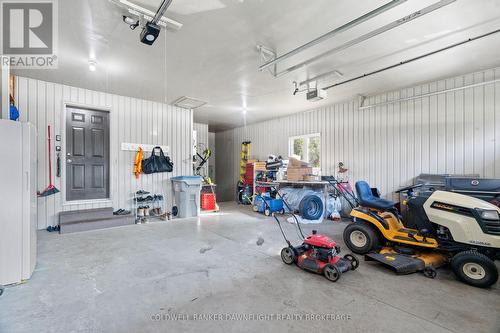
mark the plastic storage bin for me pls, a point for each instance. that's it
(186, 190)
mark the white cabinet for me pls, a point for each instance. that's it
(18, 201)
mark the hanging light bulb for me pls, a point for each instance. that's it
(92, 65)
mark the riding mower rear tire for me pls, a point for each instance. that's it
(475, 269)
(361, 237)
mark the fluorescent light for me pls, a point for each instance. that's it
(92, 65)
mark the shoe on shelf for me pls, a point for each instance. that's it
(121, 212)
(140, 211)
(146, 211)
(141, 192)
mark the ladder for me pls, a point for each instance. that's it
(245, 153)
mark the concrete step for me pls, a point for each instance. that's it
(110, 222)
(85, 215)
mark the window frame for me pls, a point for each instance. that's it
(305, 147)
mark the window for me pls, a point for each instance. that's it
(307, 147)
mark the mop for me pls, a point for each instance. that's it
(51, 189)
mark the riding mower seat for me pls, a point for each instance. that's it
(367, 199)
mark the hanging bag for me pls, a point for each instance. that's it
(157, 163)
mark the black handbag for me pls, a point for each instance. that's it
(157, 163)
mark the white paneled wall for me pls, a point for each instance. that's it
(131, 120)
(454, 132)
(201, 133)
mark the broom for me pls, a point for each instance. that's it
(51, 189)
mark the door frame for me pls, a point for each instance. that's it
(108, 109)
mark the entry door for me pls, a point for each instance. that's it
(87, 154)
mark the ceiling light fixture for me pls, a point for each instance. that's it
(92, 65)
(132, 23)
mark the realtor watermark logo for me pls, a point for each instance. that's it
(29, 34)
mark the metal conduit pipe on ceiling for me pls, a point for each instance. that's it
(385, 28)
(405, 99)
(161, 11)
(404, 62)
(334, 32)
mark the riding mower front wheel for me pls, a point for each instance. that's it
(474, 268)
(361, 237)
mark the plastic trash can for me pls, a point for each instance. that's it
(186, 193)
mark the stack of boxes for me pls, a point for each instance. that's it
(260, 166)
(298, 170)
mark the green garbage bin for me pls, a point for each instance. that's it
(186, 194)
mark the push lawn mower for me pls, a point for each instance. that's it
(318, 253)
(445, 227)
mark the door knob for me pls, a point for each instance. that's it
(69, 160)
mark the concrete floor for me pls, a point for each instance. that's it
(124, 279)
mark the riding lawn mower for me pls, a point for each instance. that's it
(444, 227)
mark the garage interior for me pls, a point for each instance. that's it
(244, 165)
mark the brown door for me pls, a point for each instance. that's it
(87, 154)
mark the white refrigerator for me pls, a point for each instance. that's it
(18, 201)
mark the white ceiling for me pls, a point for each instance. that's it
(214, 56)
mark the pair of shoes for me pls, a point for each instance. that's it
(121, 212)
(158, 197)
(144, 199)
(141, 192)
(156, 211)
(53, 229)
(166, 216)
(141, 220)
(143, 211)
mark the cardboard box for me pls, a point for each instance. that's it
(295, 163)
(260, 166)
(311, 178)
(297, 174)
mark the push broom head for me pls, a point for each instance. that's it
(51, 189)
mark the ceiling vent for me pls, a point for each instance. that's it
(188, 103)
